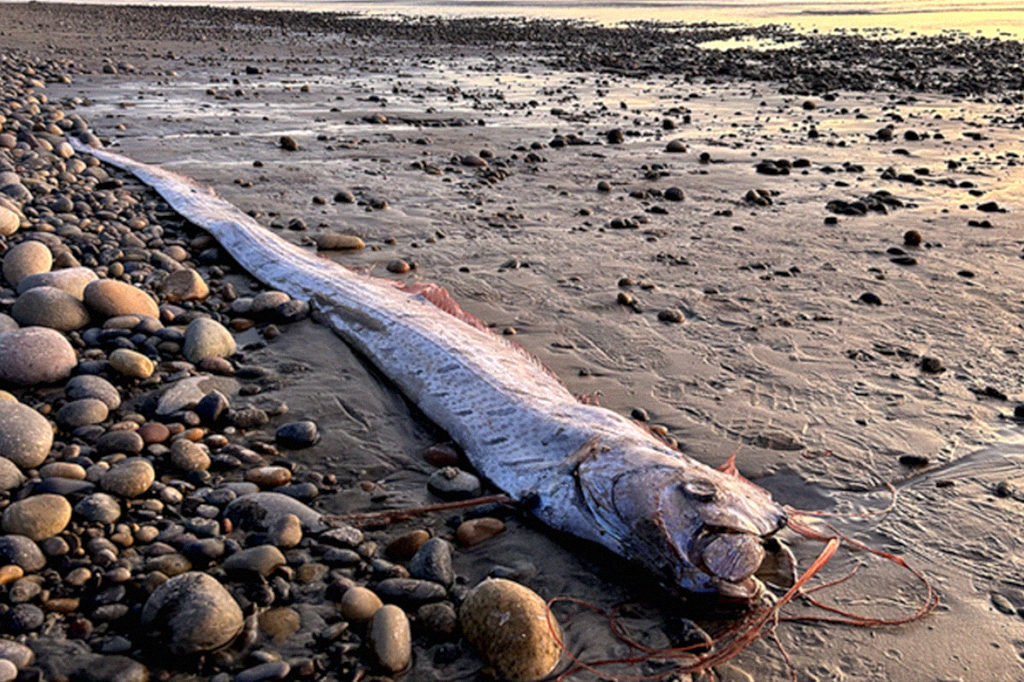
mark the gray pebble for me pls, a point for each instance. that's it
(17, 653)
(81, 412)
(10, 475)
(452, 483)
(295, 435)
(35, 355)
(206, 338)
(390, 638)
(21, 551)
(24, 259)
(25, 435)
(433, 561)
(99, 508)
(191, 613)
(124, 441)
(260, 560)
(272, 670)
(70, 280)
(50, 307)
(128, 478)
(90, 386)
(410, 591)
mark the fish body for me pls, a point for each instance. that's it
(581, 469)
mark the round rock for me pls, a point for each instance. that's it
(111, 298)
(206, 338)
(433, 562)
(25, 435)
(185, 285)
(91, 386)
(21, 551)
(390, 638)
(260, 560)
(37, 517)
(296, 435)
(189, 456)
(192, 613)
(99, 508)
(452, 483)
(81, 412)
(131, 363)
(70, 280)
(9, 221)
(358, 604)
(24, 259)
(128, 478)
(50, 307)
(35, 355)
(508, 625)
(10, 475)
(260, 511)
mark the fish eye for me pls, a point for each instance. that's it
(701, 490)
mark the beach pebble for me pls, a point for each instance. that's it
(269, 476)
(35, 355)
(286, 532)
(69, 280)
(191, 613)
(263, 672)
(439, 619)
(24, 259)
(674, 194)
(131, 363)
(189, 456)
(90, 386)
(123, 441)
(99, 508)
(7, 323)
(675, 147)
(81, 412)
(128, 478)
(185, 285)
(475, 531)
(358, 604)
(261, 510)
(433, 561)
(9, 221)
(296, 435)
(410, 592)
(206, 338)
(21, 551)
(37, 517)
(17, 653)
(280, 623)
(344, 197)
(25, 435)
(111, 298)
(10, 475)
(390, 638)
(261, 560)
(452, 483)
(508, 625)
(336, 241)
(50, 307)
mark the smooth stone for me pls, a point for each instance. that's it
(24, 618)
(25, 435)
(22, 551)
(17, 653)
(128, 478)
(192, 613)
(269, 476)
(262, 560)
(189, 456)
(206, 338)
(475, 531)
(10, 475)
(91, 386)
(265, 303)
(27, 258)
(186, 394)
(35, 355)
(99, 508)
(508, 625)
(271, 670)
(259, 511)
(405, 546)
(69, 280)
(410, 591)
(9, 222)
(169, 564)
(130, 363)
(37, 517)
(358, 604)
(50, 307)
(390, 638)
(296, 435)
(127, 442)
(111, 297)
(81, 412)
(438, 618)
(433, 562)
(72, 659)
(8, 323)
(286, 532)
(69, 470)
(452, 483)
(336, 241)
(280, 623)
(185, 285)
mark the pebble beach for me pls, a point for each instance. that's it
(800, 249)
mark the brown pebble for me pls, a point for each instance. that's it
(405, 546)
(399, 267)
(268, 476)
(358, 604)
(475, 531)
(441, 455)
(10, 573)
(154, 432)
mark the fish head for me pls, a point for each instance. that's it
(702, 530)
(714, 528)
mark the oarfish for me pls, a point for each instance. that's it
(580, 468)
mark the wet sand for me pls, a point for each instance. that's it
(756, 316)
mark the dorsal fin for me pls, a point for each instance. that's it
(440, 297)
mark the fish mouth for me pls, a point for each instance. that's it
(730, 559)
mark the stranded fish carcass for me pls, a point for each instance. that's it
(581, 469)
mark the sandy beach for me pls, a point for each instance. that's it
(807, 255)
